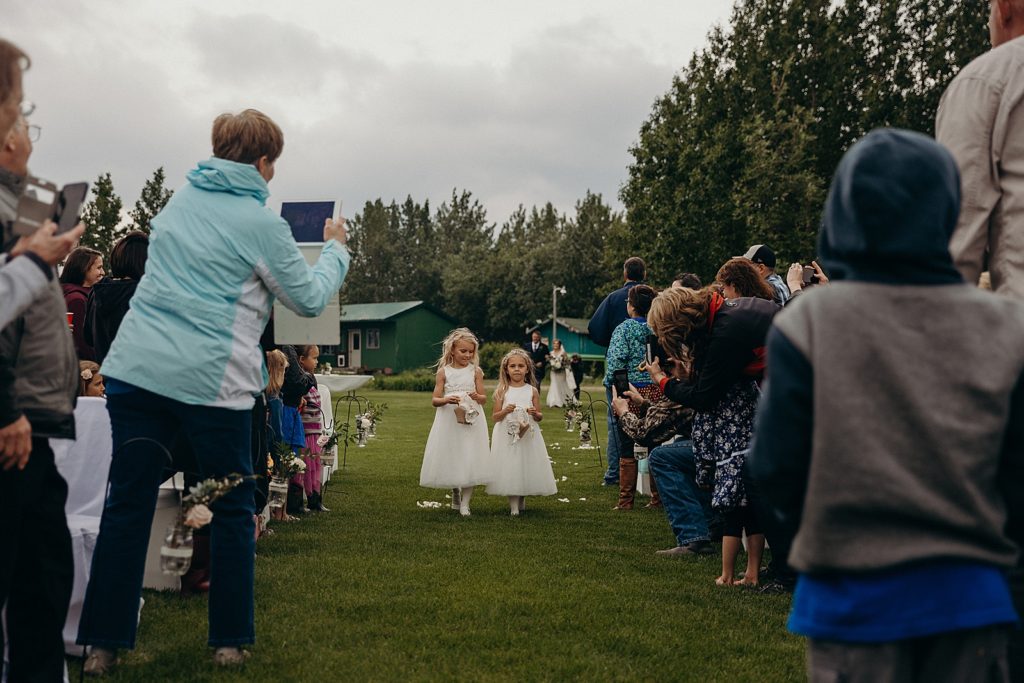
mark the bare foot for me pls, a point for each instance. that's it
(724, 580)
(745, 582)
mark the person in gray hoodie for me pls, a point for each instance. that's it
(890, 435)
(38, 386)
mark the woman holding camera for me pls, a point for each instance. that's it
(724, 340)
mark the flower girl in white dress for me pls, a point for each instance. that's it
(563, 384)
(456, 455)
(519, 460)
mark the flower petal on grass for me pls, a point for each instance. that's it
(565, 478)
(582, 498)
(563, 500)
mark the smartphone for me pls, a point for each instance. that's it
(620, 380)
(810, 276)
(69, 206)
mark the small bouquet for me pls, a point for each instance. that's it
(196, 505)
(572, 411)
(557, 363)
(518, 424)
(467, 410)
(339, 435)
(288, 464)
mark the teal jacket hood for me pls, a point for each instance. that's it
(221, 175)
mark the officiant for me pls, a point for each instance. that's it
(538, 351)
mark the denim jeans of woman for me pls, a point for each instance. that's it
(688, 508)
(221, 440)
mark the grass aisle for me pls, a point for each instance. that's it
(380, 589)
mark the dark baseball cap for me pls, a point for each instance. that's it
(760, 253)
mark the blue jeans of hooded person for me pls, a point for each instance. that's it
(612, 448)
(688, 508)
(220, 439)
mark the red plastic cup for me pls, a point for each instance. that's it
(71, 319)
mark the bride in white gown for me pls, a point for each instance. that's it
(562, 382)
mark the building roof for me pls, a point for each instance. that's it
(577, 325)
(384, 311)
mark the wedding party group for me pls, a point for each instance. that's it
(859, 419)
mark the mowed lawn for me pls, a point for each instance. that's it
(381, 589)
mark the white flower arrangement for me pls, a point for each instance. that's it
(557, 363)
(467, 410)
(518, 424)
(196, 505)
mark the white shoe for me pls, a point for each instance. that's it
(230, 656)
(100, 662)
(464, 512)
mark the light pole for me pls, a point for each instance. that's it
(555, 291)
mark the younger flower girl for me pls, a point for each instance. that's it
(520, 465)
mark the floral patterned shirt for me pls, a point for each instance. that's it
(628, 349)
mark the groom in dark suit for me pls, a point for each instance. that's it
(538, 351)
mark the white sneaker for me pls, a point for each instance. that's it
(100, 662)
(230, 656)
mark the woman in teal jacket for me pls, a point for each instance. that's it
(187, 360)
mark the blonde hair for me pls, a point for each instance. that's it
(86, 369)
(503, 378)
(678, 317)
(276, 363)
(457, 335)
(247, 137)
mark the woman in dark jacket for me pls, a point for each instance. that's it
(82, 270)
(108, 301)
(725, 343)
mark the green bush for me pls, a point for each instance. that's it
(421, 379)
(491, 354)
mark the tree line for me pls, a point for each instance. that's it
(496, 280)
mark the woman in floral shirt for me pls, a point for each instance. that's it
(628, 350)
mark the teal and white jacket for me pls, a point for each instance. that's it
(218, 258)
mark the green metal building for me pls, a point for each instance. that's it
(395, 336)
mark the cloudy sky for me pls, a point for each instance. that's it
(522, 102)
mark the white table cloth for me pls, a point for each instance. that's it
(342, 383)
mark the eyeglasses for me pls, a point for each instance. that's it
(27, 108)
(34, 132)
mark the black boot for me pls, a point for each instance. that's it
(316, 502)
(295, 506)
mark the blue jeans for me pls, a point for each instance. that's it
(688, 508)
(613, 447)
(221, 440)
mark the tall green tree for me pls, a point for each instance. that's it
(102, 216)
(151, 201)
(742, 147)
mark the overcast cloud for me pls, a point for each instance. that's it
(518, 103)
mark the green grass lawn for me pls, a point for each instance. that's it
(380, 589)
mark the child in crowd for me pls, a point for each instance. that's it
(297, 384)
(312, 428)
(456, 453)
(277, 362)
(519, 460)
(90, 381)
